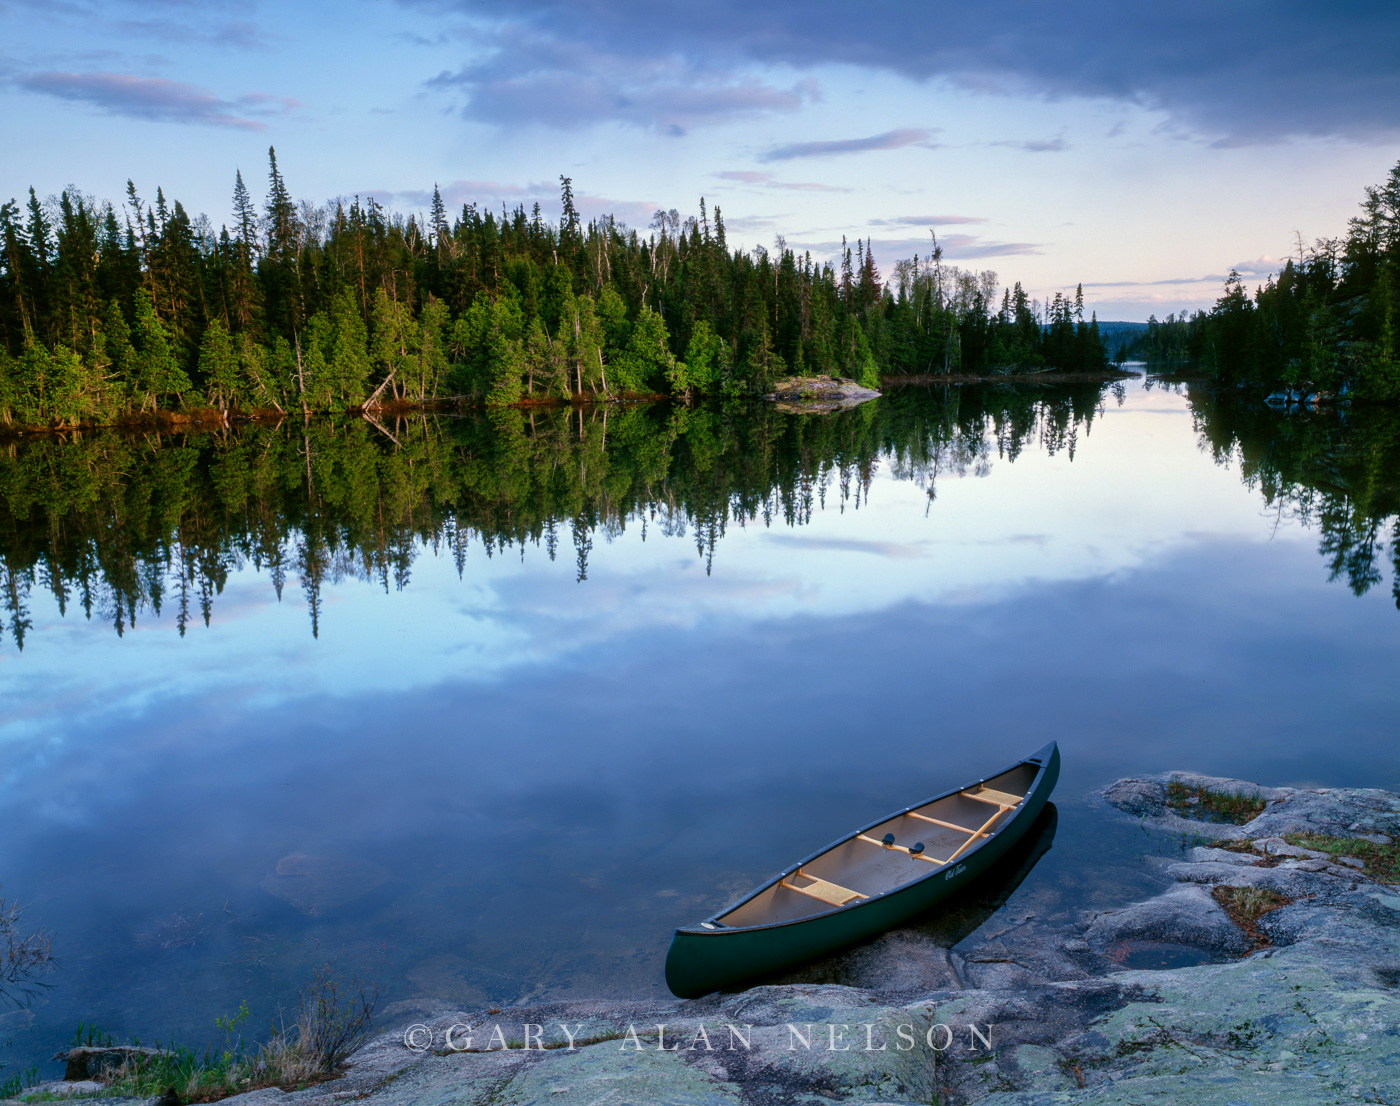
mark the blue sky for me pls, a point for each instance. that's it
(1141, 149)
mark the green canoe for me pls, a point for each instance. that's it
(866, 882)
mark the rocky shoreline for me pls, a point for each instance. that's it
(1281, 984)
(806, 395)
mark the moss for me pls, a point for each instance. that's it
(1382, 861)
(1233, 807)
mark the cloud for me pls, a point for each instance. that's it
(889, 549)
(1250, 71)
(239, 35)
(956, 247)
(523, 76)
(927, 221)
(155, 99)
(1257, 269)
(242, 35)
(969, 247)
(767, 180)
(889, 140)
(1037, 145)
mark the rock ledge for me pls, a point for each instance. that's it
(1304, 1008)
(809, 394)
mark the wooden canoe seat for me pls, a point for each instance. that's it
(1001, 798)
(831, 893)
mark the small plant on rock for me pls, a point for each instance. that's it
(1233, 807)
(1246, 905)
(1382, 861)
(332, 1021)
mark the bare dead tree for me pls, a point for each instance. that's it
(24, 956)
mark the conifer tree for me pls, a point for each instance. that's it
(504, 365)
(158, 374)
(349, 361)
(243, 294)
(218, 366)
(569, 234)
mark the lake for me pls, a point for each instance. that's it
(483, 708)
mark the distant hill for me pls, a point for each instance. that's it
(1114, 334)
(1119, 329)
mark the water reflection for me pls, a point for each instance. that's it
(505, 784)
(119, 527)
(1336, 470)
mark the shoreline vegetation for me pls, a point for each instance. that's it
(214, 419)
(1326, 326)
(111, 311)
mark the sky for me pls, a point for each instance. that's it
(1143, 150)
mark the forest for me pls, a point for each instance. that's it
(316, 501)
(119, 312)
(1326, 323)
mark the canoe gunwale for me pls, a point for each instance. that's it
(1041, 758)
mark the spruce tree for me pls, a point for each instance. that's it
(159, 375)
(218, 366)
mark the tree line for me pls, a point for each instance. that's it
(118, 526)
(1327, 322)
(124, 310)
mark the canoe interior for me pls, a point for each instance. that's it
(862, 867)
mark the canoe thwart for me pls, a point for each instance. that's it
(1001, 798)
(937, 821)
(827, 892)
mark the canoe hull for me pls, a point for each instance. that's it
(702, 960)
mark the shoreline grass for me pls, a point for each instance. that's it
(1222, 807)
(1382, 861)
(332, 1020)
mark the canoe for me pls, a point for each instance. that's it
(866, 882)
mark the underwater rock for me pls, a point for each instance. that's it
(316, 884)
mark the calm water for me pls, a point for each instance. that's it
(488, 709)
